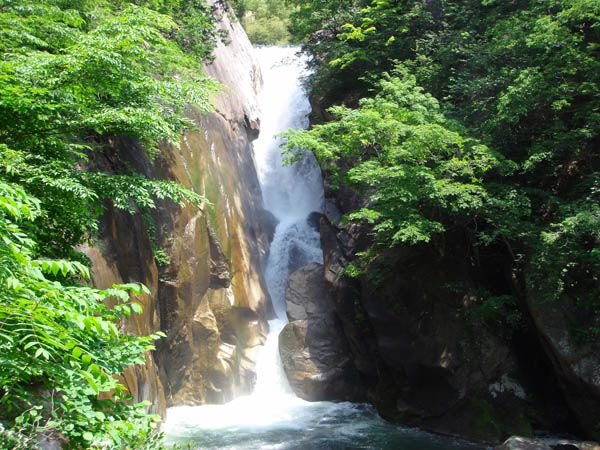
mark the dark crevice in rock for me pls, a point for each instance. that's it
(220, 276)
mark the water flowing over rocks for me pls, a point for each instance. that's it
(208, 294)
(312, 345)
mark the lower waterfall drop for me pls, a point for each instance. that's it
(273, 417)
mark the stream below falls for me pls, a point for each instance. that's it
(273, 417)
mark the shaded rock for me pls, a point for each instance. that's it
(312, 346)
(314, 220)
(577, 364)
(344, 292)
(268, 223)
(522, 443)
(297, 257)
(122, 255)
(332, 213)
(306, 294)
(219, 266)
(426, 361)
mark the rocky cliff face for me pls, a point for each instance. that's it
(429, 362)
(428, 357)
(207, 290)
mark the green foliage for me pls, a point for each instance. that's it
(76, 78)
(265, 21)
(160, 255)
(103, 71)
(521, 78)
(492, 424)
(501, 311)
(418, 171)
(196, 32)
(60, 348)
(486, 423)
(316, 25)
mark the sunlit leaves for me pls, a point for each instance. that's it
(107, 71)
(523, 78)
(265, 21)
(62, 338)
(417, 172)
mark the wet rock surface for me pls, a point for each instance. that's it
(314, 220)
(312, 346)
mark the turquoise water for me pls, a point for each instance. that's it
(319, 426)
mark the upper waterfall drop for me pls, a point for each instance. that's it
(284, 105)
(291, 193)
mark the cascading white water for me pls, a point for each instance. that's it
(292, 192)
(273, 417)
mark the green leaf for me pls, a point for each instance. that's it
(137, 308)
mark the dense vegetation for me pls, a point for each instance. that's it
(265, 21)
(472, 119)
(74, 75)
(479, 119)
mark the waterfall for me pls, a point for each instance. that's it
(291, 193)
(273, 417)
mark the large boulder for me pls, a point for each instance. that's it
(312, 346)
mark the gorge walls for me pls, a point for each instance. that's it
(203, 268)
(429, 357)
